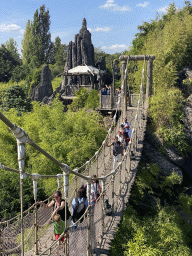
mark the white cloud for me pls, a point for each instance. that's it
(115, 47)
(112, 6)
(163, 9)
(142, 5)
(10, 28)
(105, 29)
(22, 31)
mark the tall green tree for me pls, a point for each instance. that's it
(27, 44)
(37, 45)
(60, 52)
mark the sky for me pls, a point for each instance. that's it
(112, 23)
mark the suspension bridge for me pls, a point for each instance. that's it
(31, 232)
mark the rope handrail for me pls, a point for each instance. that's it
(110, 175)
(19, 246)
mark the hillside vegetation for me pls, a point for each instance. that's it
(158, 228)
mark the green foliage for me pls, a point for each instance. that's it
(166, 107)
(56, 82)
(5, 86)
(175, 137)
(185, 202)
(166, 111)
(60, 52)
(12, 47)
(56, 70)
(71, 137)
(8, 62)
(14, 97)
(79, 102)
(187, 84)
(92, 101)
(161, 234)
(148, 177)
(35, 77)
(87, 100)
(10, 194)
(108, 57)
(37, 46)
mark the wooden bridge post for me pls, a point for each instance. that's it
(129, 158)
(59, 176)
(36, 230)
(100, 92)
(112, 91)
(65, 170)
(112, 187)
(120, 180)
(126, 167)
(97, 157)
(103, 204)
(104, 146)
(89, 218)
(1, 242)
(35, 177)
(124, 87)
(149, 77)
(22, 138)
(87, 167)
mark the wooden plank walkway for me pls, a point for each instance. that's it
(104, 243)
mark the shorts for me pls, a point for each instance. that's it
(57, 237)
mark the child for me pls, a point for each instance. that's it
(59, 226)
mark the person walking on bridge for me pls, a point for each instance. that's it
(117, 151)
(58, 205)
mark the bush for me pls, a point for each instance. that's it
(14, 97)
(159, 235)
(166, 107)
(175, 137)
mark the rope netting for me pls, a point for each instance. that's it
(89, 235)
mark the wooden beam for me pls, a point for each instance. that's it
(136, 57)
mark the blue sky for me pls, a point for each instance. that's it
(112, 23)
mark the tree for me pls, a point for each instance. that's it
(60, 52)
(7, 64)
(27, 44)
(14, 97)
(12, 46)
(37, 46)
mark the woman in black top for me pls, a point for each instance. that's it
(58, 205)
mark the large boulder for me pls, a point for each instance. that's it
(173, 156)
(44, 88)
(151, 155)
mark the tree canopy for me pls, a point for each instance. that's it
(37, 45)
(9, 60)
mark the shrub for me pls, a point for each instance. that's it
(14, 97)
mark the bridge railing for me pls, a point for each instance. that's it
(108, 102)
(90, 232)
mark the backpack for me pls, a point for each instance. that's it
(79, 210)
(125, 136)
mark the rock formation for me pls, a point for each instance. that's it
(81, 51)
(44, 88)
